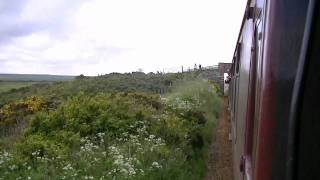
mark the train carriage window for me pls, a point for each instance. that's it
(236, 91)
(238, 58)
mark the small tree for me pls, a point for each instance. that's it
(81, 76)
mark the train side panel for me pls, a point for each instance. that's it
(240, 81)
(262, 78)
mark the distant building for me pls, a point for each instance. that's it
(223, 68)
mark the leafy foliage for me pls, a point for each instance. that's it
(15, 113)
(117, 127)
(115, 82)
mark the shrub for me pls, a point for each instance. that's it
(118, 136)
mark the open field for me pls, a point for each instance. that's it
(34, 77)
(16, 81)
(8, 85)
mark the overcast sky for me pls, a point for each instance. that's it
(102, 36)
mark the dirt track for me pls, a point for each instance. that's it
(220, 157)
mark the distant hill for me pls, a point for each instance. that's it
(34, 77)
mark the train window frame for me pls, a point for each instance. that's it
(236, 89)
(259, 46)
(255, 88)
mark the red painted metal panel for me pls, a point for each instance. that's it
(263, 168)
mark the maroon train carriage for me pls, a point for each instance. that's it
(274, 92)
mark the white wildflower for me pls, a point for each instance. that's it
(13, 167)
(67, 167)
(156, 165)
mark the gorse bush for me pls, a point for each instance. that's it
(13, 116)
(117, 136)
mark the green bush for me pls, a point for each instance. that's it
(118, 136)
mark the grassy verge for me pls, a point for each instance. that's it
(203, 97)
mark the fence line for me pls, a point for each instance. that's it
(186, 69)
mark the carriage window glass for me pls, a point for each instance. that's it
(238, 58)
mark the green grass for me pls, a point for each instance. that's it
(34, 77)
(8, 85)
(204, 97)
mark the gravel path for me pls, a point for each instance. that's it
(220, 157)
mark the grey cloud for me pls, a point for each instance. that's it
(17, 29)
(9, 20)
(16, 66)
(14, 25)
(12, 7)
(15, 58)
